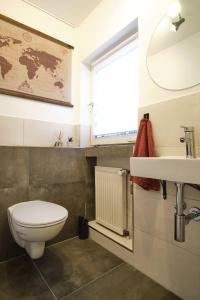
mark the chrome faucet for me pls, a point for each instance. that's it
(189, 141)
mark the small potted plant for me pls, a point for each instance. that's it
(59, 142)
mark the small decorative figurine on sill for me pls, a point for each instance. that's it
(59, 142)
(70, 141)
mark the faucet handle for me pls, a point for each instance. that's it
(182, 140)
(188, 128)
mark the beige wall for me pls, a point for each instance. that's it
(161, 64)
(28, 109)
(107, 19)
(150, 14)
(174, 265)
(26, 122)
(97, 32)
(27, 132)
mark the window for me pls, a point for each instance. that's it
(115, 94)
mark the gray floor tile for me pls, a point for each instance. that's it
(20, 280)
(69, 265)
(122, 283)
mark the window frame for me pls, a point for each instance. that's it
(98, 64)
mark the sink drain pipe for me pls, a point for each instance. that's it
(180, 219)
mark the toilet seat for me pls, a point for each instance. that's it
(38, 214)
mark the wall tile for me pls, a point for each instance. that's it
(11, 131)
(41, 134)
(172, 267)
(73, 197)
(14, 162)
(56, 165)
(170, 151)
(85, 136)
(189, 192)
(25, 132)
(114, 162)
(175, 265)
(168, 116)
(8, 197)
(111, 151)
(63, 176)
(159, 221)
(77, 136)
(89, 171)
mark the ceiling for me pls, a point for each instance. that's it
(72, 12)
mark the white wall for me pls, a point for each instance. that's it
(99, 27)
(156, 253)
(150, 14)
(29, 109)
(177, 65)
(108, 18)
(94, 35)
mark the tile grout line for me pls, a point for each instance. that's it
(170, 242)
(23, 132)
(49, 246)
(92, 281)
(12, 258)
(66, 240)
(43, 279)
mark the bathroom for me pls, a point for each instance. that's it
(52, 153)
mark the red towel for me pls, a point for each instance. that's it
(144, 147)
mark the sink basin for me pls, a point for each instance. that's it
(171, 168)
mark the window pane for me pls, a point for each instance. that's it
(116, 94)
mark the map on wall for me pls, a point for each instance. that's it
(33, 65)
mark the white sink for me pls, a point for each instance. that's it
(171, 168)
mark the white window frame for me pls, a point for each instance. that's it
(101, 61)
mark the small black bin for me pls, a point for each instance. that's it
(83, 229)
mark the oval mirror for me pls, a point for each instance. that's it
(173, 57)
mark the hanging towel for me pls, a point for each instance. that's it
(144, 147)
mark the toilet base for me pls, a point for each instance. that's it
(35, 249)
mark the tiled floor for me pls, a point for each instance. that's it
(76, 270)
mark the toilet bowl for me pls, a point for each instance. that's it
(32, 223)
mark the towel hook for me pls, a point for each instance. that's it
(146, 116)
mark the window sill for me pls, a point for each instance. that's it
(124, 150)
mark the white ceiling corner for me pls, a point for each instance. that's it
(71, 12)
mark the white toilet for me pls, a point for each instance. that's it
(32, 223)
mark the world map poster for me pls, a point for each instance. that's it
(34, 65)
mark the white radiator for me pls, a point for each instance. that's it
(110, 198)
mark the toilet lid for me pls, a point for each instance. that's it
(36, 213)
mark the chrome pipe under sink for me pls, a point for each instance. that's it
(179, 217)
